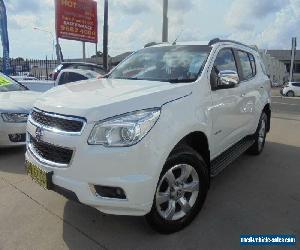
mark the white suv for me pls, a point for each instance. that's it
(291, 89)
(146, 139)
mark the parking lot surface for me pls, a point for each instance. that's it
(254, 195)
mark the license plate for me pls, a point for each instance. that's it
(40, 176)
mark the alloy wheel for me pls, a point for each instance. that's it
(177, 192)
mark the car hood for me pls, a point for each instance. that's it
(102, 98)
(17, 101)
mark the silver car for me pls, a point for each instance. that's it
(16, 101)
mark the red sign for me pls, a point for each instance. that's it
(77, 20)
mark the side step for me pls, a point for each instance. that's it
(230, 155)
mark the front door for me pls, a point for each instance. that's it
(226, 113)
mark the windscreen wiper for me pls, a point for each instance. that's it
(180, 80)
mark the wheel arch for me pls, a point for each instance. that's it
(198, 141)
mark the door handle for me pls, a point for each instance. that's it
(243, 94)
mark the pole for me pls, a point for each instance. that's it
(294, 45)
(47, 73)
(105, 37)
(165, 28)
(58, 51)
(83, 52)
(4, 38)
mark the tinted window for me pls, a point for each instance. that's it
(63, 78)
(246, 65)
(253, 64)
(225, 61)
(296, 84)
(67, 77)
(74, 77)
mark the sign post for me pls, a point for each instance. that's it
(105, 36)
(294, 46)
(165, 21)
(4, 38)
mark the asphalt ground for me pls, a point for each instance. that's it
(254, 195)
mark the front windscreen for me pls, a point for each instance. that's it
(178, 63)
(8, 84)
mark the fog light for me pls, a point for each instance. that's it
(17, 137)
(110, 192)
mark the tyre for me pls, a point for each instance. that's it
(260, 136)
(181, 191)
(290, 94)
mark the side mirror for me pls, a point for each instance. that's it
(227, 79)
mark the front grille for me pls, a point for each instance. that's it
(58, 122)
(51, 153)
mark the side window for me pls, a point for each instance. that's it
(253, 64)
(225, 61)
(74, 77)
(225, 66)
(63, 78)
(245, 64)
(296, 84)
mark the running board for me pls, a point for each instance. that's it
(230, 155)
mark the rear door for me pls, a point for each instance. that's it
(227, 123)
(252, 89)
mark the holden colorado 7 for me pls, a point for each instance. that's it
(146, 138)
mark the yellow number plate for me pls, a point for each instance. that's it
(40, 176)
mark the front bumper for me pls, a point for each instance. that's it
(133, 169)
(7, 129)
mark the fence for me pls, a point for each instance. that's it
(40, 69)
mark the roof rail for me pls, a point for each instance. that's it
(151, 44)
(218, 40)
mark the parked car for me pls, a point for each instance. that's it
(38, 85)
(146, 139)
(16, 101)
(291, 89)
(24, 78)
(276, 84)
(75, 75)
(77, 65)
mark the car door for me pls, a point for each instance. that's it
(227, 123)
(297, 88)
(252, 88)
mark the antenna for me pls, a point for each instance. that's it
(179, 35)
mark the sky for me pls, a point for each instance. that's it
(269, 24)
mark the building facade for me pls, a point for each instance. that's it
(284, 56)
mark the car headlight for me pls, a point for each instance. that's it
(124, 130)
(15, 117)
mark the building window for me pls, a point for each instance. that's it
(297, 68)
